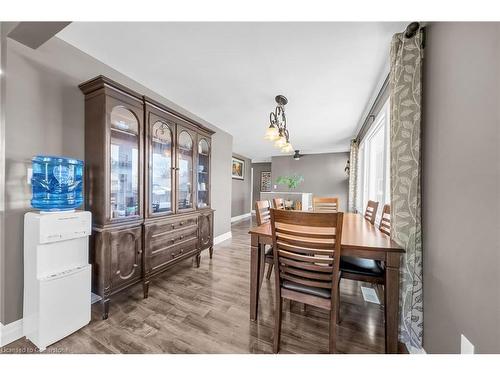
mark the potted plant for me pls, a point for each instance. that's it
(292, 182)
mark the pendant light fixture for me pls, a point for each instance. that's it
(277, 131)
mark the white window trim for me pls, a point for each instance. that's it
(382, 119)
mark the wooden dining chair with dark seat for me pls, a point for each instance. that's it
(371, 211)
(279, 203)
(306, 261)
(385, 220)
(325, 204)
(263, 216)
(367, 270)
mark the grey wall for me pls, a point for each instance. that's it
(45, 114)
(461, 188)
(240, 196)
(323, 174)
(257, 169)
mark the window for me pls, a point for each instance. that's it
(374, 164)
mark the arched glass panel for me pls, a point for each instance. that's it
(161, 168)
(185, 198)
(124, 155)
(203, 173)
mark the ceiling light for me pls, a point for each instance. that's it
(287, 147)
(277, 130)
(272, 133)
(280, 142)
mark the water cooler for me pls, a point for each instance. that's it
(57, 275)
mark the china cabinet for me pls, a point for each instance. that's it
(147, 186)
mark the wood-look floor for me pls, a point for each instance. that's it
(206, 310)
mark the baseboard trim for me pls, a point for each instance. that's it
(11, 332)
(223, 237)
(240, 217)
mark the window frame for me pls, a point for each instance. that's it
(382, 120)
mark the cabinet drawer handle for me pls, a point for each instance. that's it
(181, 223)
(173, 226)
(181, 251)
(118, 272)
(181, 237)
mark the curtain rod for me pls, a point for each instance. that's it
(411, 29)
(409, 32)
(370, 115)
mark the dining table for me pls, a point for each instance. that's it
(360, 239)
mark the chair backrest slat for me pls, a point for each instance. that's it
(305, 274)
(311, 267)
(305, 258)
(385, 220)
(371, 211)
(279, 203)
(304, 250)
(325, 204)
(307, 247)
(262, 212)
(306, 282)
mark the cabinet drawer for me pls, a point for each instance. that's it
(168, 254)
(180, 223)
(161, 240)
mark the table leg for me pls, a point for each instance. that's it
(262, 263)
(255, 266)
(392, 302)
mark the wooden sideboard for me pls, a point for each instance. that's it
(147, 184)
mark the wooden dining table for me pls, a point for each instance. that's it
(359, 239)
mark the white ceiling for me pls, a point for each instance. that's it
(229, 73)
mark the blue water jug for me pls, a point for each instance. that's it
(56, 183)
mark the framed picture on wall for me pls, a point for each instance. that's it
(265, 181)
(238, 169)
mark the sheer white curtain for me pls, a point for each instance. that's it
(374, 163)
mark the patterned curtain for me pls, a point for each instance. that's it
(406, 95)
(353, 176)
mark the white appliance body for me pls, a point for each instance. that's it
(57, 276)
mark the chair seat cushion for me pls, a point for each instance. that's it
(360, 266)
(318, 292)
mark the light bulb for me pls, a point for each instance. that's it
(287, 147)
(271, 133)
(280, 142)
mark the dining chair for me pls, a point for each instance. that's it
(325, 204)
(385, 220)
(367, 270)
(306, 261)
(279, 203)
(263, 216)
(371, 211)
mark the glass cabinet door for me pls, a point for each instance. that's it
(160, 189)
(185, 168)
(203, 173)
(124, 155)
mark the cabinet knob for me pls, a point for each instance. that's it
(173, 226)
(139, 252)
(118, 272)
(181, 223)
(181, 237)
(181, 251)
